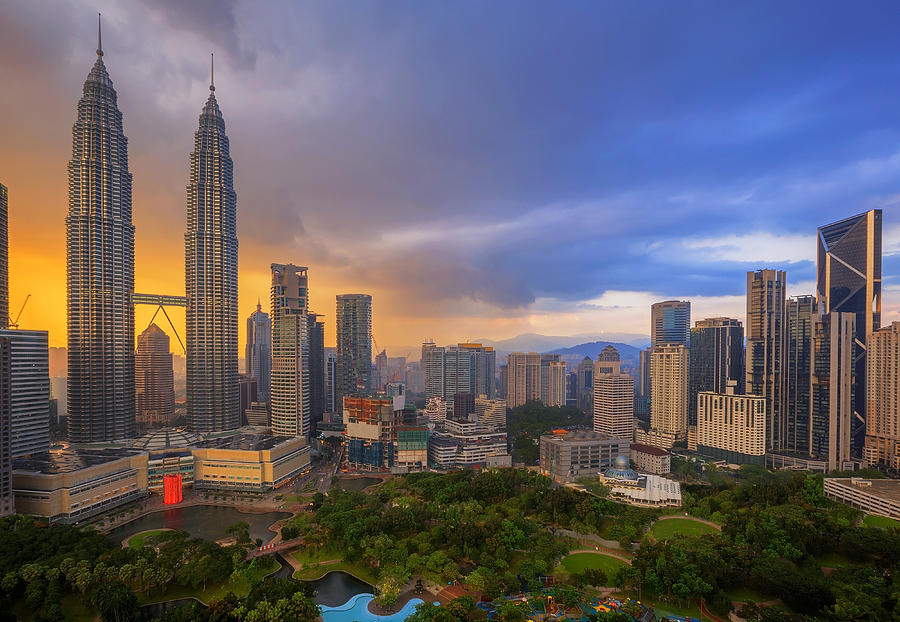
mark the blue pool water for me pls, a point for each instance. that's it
(357, 610)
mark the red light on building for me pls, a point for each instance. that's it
(172, 489)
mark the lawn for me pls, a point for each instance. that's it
(309, 555)
(318, 571)
(872, 520)
(240, 588)
(664, 529)
(579, 562)
(138, 540)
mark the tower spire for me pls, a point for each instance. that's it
(99, 38)
(212, 82)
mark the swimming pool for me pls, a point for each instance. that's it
(357, 610)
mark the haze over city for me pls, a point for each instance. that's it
(499, 170)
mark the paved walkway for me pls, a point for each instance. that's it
(589, 537)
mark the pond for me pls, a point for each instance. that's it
(338, 587)
(201, 521)
(356, 483)
(357, 610)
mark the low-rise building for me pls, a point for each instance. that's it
(68, 485)
(250, 462)
(731, 427)
(370, 428)
(491, 412)
(566, 456)
(411, 452)
(630, 487)
(467, 444)
(657, 438)
(650, 459)
(873, 496)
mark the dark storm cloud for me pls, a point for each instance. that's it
(507, 152)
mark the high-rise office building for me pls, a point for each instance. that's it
(316, 331)
(7, 504)
(290, 394)
(584, 385)
(331, 404)
(669, 375)
(670, 322)
(613, 396)
(354, 345)
(258, 353)
(504, 381)
(883, 397)
(4, 262)
(848, 280)
(211, 278)
(380, 375)
(832, 388)
(799, 311)
(154, 379)
(523, 378)
(766, 340)
(463, 368)
(100, 268)
(463, 405)
(717, 357)
(644, 366)
(29, 391)
(247, 390)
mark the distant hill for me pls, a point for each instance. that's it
(574, 354)
(533, 342)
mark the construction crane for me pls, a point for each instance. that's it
(15, 323)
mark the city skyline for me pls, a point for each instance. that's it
(774, 207)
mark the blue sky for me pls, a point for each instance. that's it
(488, 168)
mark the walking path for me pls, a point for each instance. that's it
(590, 537)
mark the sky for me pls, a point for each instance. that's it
(483, 169)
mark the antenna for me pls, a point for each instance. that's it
(99, 38)
(212, 82)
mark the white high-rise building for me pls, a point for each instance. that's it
(732, 427)
(290, 391)
(211, 278)
(669, 387)
(613, 396)
(100, 269)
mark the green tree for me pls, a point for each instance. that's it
(115, 602)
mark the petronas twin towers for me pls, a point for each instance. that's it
(100, 272)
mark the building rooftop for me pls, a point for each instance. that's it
(166, 438)
(888, 489)
(648, 449)
(245, 441)
(578, 436)
(69, 459)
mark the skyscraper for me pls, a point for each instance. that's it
(259, 351)
(832, 388)
(290, 403)
(154, 380)
(316, 330)
(211, 281)
(669, 375)
(29, 391)
(331, 404)
(848, 280)
(883, 398)
(613, 396)
(670, 322)
(4, 258)
(800, 311)
(766, 339)
(523, 378)
(717, 357)
(354, 345)
(584, 385)
(100, 268)
(463, 368)
(553, 381)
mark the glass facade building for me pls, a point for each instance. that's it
(716, 357)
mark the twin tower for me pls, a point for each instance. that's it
(100, 272)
